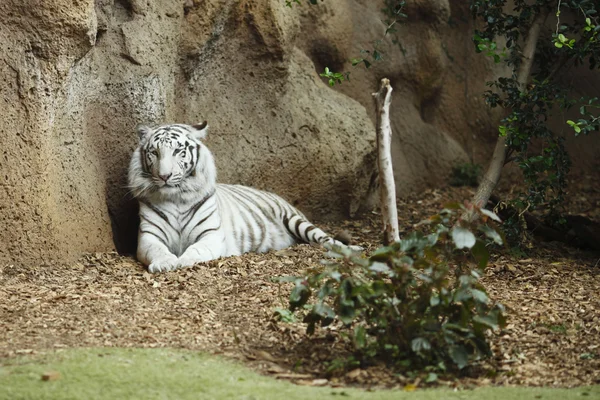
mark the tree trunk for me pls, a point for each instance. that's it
(387, 186)
(492, 175)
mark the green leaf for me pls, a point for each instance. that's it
(465, 280)
(462, 237)
(383, 254)
(335, 275)
(406, 260)
(481, 254)
(299, 296)
(558, 45)
(325, 291)
(454, 327)
(379, 288)
(324, 311)
(431, 326)
(404, 363)
(460, 356)
(360, 337)
(418, 345)
(432, 238)
(284, 315)
(381, 268)
(425, 278)
(346, 314)
(412, 241)
(479, 296)
(462, 295)
(489, 320)
(431, 377)
(491, 233)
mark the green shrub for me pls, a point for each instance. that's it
(465, 174)
(414, 304)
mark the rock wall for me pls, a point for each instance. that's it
(43, 213)
(437, 80)
(77, 76)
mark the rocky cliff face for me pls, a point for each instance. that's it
(78, 75)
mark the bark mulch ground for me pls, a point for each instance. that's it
(226, 307)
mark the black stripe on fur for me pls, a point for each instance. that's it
(157, 211)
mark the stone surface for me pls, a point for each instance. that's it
(78, 76)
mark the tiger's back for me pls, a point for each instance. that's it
(254, 219)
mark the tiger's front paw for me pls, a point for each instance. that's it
(163, 264)
(187, 261)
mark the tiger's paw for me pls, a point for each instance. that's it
(348, 246)
(356, 248)
(163, 264)
(187, 261)
(341, 248)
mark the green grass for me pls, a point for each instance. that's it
(177, 374)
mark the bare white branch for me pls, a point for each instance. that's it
(387, 185)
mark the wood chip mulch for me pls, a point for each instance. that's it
(552, 295)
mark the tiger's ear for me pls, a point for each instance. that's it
(200, 130)
(143, 131)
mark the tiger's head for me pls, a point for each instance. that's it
(171, 160)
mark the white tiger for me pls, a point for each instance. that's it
(188, 218)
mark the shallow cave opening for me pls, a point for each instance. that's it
(430, 105)
(123, 11)
(125, 222)
(324, 54)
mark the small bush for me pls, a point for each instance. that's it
(465, 174)
(414, 304)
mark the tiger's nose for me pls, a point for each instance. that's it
(165, 177)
